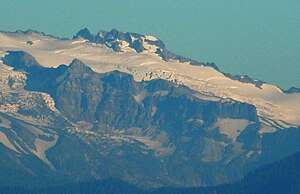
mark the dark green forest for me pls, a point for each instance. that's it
(277, 178)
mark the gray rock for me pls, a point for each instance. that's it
(292, 90)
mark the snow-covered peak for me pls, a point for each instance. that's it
(133, 42)
(122, 42)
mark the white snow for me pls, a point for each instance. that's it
(5, 123)
(231, 127)
(80, 40)
(5, 141)
(152, 38)
(266, 129)
(250, 153)
(139, 97)
(42, 146)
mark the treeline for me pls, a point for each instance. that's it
(107, 186)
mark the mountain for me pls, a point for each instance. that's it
(81, 109)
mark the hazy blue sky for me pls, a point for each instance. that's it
(258, 38)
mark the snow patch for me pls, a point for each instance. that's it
(5, 123)
(42, 146)
(152, 38)
(231, 127)
(5, 141)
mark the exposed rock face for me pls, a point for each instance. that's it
(29, 42)
(292, 90)
(110, 39)
(22, 61)
(245, 79)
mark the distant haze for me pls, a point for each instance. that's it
(257, 38)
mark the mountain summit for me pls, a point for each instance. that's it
(121, 42)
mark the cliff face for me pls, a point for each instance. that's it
(116, 99)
